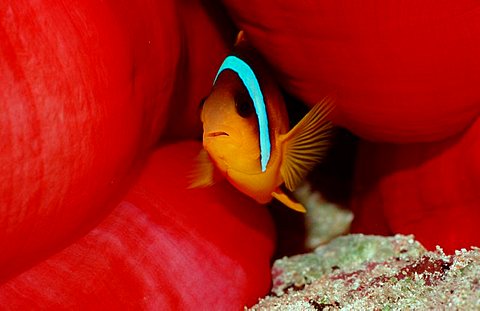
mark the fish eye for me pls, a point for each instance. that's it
(244, 104)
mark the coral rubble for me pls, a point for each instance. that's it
(359, 272)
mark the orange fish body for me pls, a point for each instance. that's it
(246, 136)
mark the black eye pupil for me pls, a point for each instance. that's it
(244, 104)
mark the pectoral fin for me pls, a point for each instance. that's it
(306, 144)
(203, 173)
(287, 201)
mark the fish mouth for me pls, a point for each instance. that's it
(217, 133)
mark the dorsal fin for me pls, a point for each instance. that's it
(203, 173)
(240, 37)
(305, 145)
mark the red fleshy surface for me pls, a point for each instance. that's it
(88, 87)
(430, 190)
(404, 72)
(80, 106)
(87, 90)
(162, 248)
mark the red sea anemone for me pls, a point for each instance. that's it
(406, 77)
(94, 213)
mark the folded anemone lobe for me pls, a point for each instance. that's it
(403, 71)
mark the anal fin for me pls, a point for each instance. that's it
(203, 173)
(287, 201)
(306, 144)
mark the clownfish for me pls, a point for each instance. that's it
(246, 136)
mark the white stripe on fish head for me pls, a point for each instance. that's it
(250, 81)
